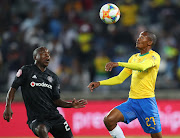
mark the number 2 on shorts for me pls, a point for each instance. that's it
(67, 128)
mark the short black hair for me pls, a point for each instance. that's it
(37, 50)
(152, 36)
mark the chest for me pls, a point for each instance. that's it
(39, 79)
(138, 59)
(136, 73)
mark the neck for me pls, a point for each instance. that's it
(144, 51)
(40, 67)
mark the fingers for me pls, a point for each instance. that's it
(74, 101)
(81, 106)
(7, 117)
(109, 66)
(80, 103)
(91, 86)
(83, 102)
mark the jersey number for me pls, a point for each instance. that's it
(67, 128)
(148, 119)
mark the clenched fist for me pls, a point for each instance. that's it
(93, 85)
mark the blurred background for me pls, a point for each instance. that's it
(81, 44)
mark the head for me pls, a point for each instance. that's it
(146, 40)
(41, 56)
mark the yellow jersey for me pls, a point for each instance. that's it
(143, 82)
(144, 69)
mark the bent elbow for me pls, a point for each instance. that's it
(141, 68)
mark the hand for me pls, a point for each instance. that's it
(109, 66)
(7, 115)
(93, 85)
(79, 104)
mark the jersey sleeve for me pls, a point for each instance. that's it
(128, 70)
(20, 78)
(148, 63)
(56, 89)
(117, 79)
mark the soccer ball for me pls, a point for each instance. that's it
(109, 13)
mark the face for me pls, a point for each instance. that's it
(143, 41)
(43, 57)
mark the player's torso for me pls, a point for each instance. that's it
(37, 91)
(37, 81)
(143, 82)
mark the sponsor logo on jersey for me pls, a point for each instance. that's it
(33, 84)
(34, 77)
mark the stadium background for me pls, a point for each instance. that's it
(81, 44)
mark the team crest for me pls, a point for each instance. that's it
(154, 57)
(50, 79)
(59, 86)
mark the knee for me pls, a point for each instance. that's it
(41, 130)
(109, 120)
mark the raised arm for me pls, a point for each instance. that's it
(7, 115)
(111, 81)
(117, 79)
(134, 66)
(137, 66)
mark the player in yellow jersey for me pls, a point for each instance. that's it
(141, 103)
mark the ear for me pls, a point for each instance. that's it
(36, 57)
(150, 43)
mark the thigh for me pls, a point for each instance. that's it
(35, 123)
(127, 111)
(148, 116)
(61, 129)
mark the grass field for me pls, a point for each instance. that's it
(104, 137)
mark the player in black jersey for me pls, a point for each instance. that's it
(41, 93)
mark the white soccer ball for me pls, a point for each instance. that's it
(109, 13)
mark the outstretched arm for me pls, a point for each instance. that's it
(74, 104)
(111, 81)
(9, 99)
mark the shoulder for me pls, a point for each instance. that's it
(155, 54)
(26, 68)
(133, 56)
(155, 57)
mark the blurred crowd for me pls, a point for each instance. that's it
(81, 44)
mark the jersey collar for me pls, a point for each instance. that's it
(143, 54)
(39, 69)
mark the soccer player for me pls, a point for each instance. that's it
(141, 103)
(41, 94)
